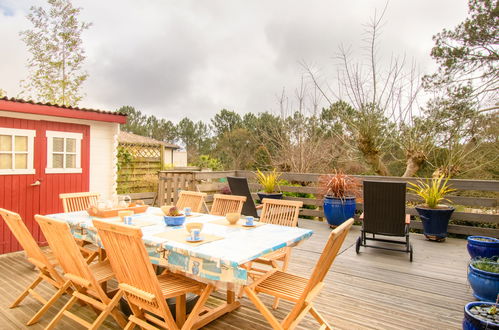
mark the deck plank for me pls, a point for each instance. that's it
(374, 290)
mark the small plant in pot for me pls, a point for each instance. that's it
(435, 216)
(483, 276)
(270, 184)
(481, 315)
(482, 246)
(339, 193)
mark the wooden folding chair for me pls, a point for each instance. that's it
(284, 213)
(192, 199)
(44, 261)
(298, 289)
(87, 281)
(146, 292)
(72, 202)
(223, 204)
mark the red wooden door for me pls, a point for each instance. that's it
(20, 192)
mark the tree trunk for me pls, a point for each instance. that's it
(413, 164)
(377, 164)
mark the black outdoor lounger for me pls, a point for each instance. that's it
(384, 214)
(239, 186)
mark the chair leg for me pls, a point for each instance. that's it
(26, 291)
(110, 310)
(59, 315)
(194, 315)
(319, 318)
(261, 307)
(285, 263)
(180, 310)
(49, 303)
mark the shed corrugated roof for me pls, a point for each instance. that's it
(127, 137)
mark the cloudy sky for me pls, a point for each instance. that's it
(193, 58)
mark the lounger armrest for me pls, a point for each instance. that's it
(408, 219)
(259, 206)
(361, 217)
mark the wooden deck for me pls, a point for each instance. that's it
(377, 289)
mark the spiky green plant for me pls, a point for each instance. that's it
(432, 191)
(270, 182)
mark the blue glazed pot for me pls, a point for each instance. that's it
(338, 210)
(263, 195)
(435, 221)
(485, 285)
(174, 221)
(470, 322)
(483, 249)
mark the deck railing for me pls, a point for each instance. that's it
(477, 209)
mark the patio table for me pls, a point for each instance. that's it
(218, 262)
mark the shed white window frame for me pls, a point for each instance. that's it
(30, 135)
(50, 146)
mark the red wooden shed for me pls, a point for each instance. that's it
(46, 150)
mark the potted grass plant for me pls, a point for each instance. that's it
(339, 192)
(434, 215)
(483, 276)
(482, 246)
(270, 184)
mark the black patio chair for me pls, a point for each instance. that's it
(384, 214)
(239, 186)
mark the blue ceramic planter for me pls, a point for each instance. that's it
(263, 195)
(174, 221)
(338, 210)
(485, 285)
(478, 248)
(435, 221)
(472, 323)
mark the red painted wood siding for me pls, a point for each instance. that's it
(16, 192)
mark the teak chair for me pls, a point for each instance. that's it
(223, 204)
(284, 213)
(44, 261)
(87, 281)
(192, 199)
(80, 201)
(146, 292)
(73, 202)
(298, 289)
(384, 214)
(240, 187)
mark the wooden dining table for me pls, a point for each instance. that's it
(220, 260)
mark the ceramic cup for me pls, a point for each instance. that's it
(249, 221)
(125, 213)
(187, 211)
(195, 234)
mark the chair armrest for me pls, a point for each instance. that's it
(361, 217)
(259, 206)
(408, 219)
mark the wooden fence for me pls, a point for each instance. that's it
(484, 210)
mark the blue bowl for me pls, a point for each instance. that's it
(174, 221)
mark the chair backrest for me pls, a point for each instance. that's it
(384, 207)
(240, 187)
(280, 212)
(131, 265)
(329, 253)
(64, 247)
(24, 237)
(192, 199)
(73, 202)
(223, 204)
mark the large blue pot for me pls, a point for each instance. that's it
(263, 195)
(478, 248)
(472, 323)
(435, 221)
(485, 285)
(338, 210)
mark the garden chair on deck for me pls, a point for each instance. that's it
(44, 261)
(80, 201)
(146, 293)
(283, 213)
(239, 186)
(192, 199)
(87, 281)
(384, 214)
(298, 289)
(223, 204)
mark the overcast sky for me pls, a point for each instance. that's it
(193, 58)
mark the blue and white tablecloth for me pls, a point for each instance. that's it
(219, 260)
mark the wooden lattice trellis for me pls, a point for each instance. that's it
(139, 151)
